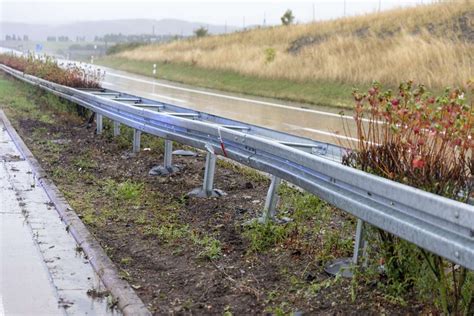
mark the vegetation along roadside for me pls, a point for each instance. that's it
(189, 255)
(424, 141)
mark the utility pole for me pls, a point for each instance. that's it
(314, 13)
(225, 28)
(243, 23)
(264, 19)
(380, 5)
(344, 8)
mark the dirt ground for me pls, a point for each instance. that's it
(186, 255)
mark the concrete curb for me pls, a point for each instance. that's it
(128, 301)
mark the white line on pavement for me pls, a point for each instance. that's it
(168, 98)
(230, 97)
(317, 131)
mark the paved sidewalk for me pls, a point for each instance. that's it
(41, 270)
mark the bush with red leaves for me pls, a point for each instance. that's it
(47, 68)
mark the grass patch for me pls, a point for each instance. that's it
(211, 247)
(262, 237)
(167, 233)
(124, 191)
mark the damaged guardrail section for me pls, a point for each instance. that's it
(440, 225)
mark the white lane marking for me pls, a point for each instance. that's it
(168, 98)
(317, 131)
(157, 95)
(230, 97)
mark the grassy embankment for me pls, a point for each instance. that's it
(319, 63)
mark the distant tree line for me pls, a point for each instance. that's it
(62, 38)
(14, 37)
(139, 38)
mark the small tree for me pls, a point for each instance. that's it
(201, 32)
(288, 17)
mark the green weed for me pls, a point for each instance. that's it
(211, 247)
(167, 232)
(124, 191)
(262, 237)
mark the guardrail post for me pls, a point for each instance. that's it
(136, 140)
(271, 200)
(344, 266)
(99, 123)
(270, 208)
(360, 246)
(207, 189)
(167, 167)
(116, 128)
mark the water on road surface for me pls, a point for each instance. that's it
(41, 271)
(315, 122)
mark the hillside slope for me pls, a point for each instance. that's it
(431, 44)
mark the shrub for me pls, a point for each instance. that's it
(270, 54)
(424, 141)
(47, 68)
(415, 138)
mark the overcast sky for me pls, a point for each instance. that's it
(232, 12)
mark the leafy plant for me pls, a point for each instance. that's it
(46, 67)
(417, 139)
(427, 142)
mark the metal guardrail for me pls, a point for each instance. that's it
(438, 224)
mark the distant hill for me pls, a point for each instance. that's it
(90, 29)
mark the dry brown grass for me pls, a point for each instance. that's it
(423, 43)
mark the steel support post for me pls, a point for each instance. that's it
(168, 154)
(270, 208)
(271, 200)
(209, 172)
(116, 128)
(360, 246)
(207, 189)
(167, 167)
(345, 266)
(99, 123)
(136, 140)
